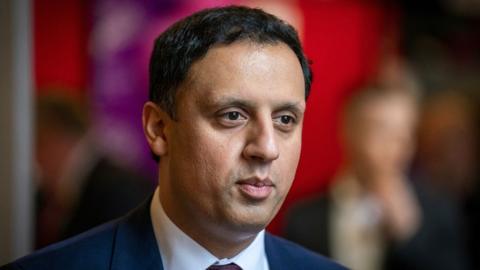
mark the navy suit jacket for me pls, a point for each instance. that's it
(130, 243)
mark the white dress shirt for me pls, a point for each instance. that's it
(355, 219)
(180, 252)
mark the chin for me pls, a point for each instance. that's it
(250, 228)
(252, 223)
(250, 218)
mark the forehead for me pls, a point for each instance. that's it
(395, 113)
(247, 69)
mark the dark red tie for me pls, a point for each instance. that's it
(230, 266)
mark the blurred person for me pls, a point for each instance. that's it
(373, 217)
(228, 90)
(448, 143)
(78, 186)
(448, 158)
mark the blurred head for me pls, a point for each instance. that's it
(448, 141)
(228, 90)
(379, 125)
(60, 123)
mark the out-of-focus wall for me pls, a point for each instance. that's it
(60, 45)
(15, 130)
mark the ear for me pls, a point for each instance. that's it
(154, 120)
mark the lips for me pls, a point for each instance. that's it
(255, 188)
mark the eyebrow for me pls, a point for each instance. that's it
(232, 101)
(295, 107)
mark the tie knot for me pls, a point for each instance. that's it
(230, 266)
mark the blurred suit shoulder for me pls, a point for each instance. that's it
(307, 223)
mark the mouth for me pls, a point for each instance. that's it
(255, 188)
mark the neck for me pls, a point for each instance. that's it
(218, 240)
(220, 247)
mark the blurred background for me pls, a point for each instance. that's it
(73, 81)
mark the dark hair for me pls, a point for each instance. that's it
(188, 40)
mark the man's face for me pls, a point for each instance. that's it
(233, 149)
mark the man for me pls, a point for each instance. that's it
(224, 120)
(373, 217)
(79, 187)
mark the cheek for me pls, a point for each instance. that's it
(210, 159)
(285, 167)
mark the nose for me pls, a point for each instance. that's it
(261, 144)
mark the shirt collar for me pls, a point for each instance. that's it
(171, 240)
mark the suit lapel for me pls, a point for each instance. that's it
(277, 257)
(135, 245)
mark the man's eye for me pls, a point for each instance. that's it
(285, 122)
(232, 118)
(286, 119)
(232, 115)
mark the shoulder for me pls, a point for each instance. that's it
(307, 223)
(128, 184)
(89, 250)
(294, 256)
